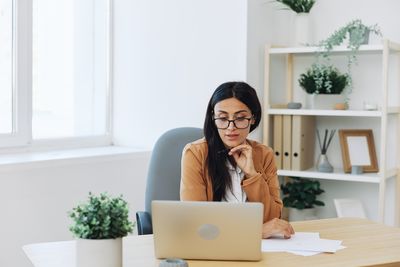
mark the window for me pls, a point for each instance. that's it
(57, 52)
(6, 65)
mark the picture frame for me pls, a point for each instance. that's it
(348, 207)
(358, 149)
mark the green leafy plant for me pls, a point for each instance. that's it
(301, 193)
(356, 33)
(298, 6)
(101, 217)
(322, 79)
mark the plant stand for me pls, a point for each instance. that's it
(323, 101)
(302, 31)
(302, 215)
(99, 252)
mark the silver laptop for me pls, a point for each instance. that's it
(207, 230)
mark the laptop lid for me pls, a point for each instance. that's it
(207, 230)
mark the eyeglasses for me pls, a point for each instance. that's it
(239, 123)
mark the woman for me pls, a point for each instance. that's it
(226, 166)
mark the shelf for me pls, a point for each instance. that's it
(337, 175)
(394, 110)
(321, 112)
(393, 46)
(391, 173)
(386, 118)
(314, 49)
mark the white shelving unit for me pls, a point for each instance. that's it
(387, 114)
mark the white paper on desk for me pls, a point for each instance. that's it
(302, 235)
(304, 253)
(301, 242)
(268, 244)
(309, 253)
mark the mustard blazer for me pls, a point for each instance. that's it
(264, 187)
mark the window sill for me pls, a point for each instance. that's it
(70, 156)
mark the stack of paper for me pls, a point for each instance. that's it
(302, 243)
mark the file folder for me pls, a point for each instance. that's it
(303, 142)
(277, 140)
(287, 142)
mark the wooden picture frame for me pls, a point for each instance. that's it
(358, 148)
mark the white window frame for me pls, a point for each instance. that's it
(21, 136)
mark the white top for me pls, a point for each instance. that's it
(237, 194)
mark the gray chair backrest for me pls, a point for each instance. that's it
(164, 175)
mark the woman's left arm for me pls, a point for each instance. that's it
(264, 186)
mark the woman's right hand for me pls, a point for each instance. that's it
(277, 226)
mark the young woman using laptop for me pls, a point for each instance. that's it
(226, 166)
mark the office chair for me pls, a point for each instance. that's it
(164, 174)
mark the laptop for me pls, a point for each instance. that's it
(207, 230)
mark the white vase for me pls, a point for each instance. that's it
(302, 215)
(302, 29)
(323, 101)
(99, 252)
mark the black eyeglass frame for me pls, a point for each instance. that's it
(233, 121)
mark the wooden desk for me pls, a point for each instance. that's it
(368, 244)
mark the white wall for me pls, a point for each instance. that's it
(257, 35)
(34, 200)
(169, 56)
(384, 13)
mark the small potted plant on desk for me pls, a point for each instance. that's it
(300, 197)
(100, 225)
(322, 80)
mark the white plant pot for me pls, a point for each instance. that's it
(302, 215)
(302, 29)
(99, 252)
(323, 101)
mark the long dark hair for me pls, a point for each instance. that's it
(216, 159)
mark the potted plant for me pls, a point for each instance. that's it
(355, 33)
(323, 80)
(302, 23)
(300, 196)
(100, 224)
(298, 6)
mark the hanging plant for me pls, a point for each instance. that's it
(357, 34)
(354, 31)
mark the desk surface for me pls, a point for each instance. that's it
(368, 244)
